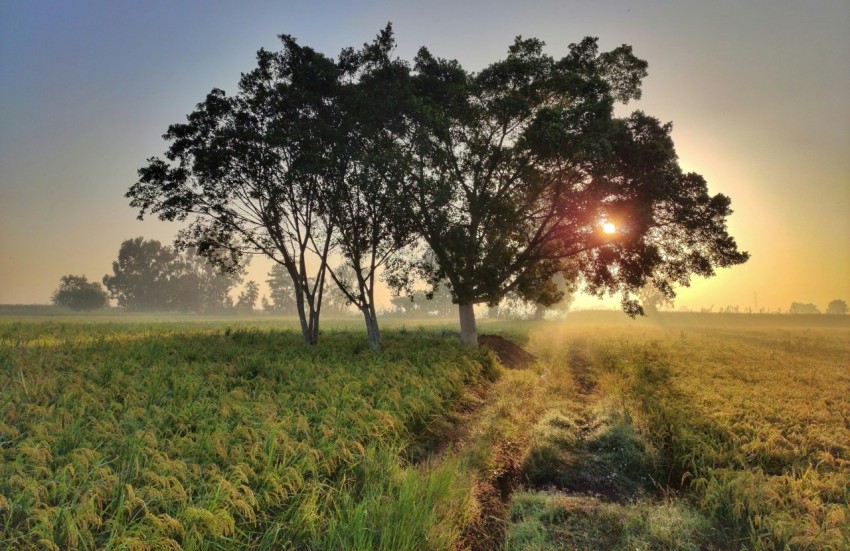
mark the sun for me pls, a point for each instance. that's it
(609, 227)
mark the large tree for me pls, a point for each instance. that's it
(837, 307)
(150, 276)
(248, 298)
(78, 293)
(281, 291)
(246, 171)
(803, 308)
(523, 167)
(145, 277)
(651, 299)
(364, 201)
(209, 283)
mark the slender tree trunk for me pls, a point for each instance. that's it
(468, 332)
(315, 311)
(308, 315)
(314, 326)
(539, 310)
(306, 332)
(373, 334)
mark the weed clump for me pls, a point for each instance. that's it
(602, 456)
(546, 521)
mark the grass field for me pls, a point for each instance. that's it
(135, 436)
(699, 432)
(697, 436)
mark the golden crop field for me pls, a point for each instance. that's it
(745, 426)
(164, 436)
(695, 433)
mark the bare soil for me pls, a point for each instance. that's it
(511, 355)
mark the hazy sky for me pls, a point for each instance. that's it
(758, 92)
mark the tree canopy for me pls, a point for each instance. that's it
(502, 178)
(246, 171)
(248, 298)
(365, 201)
(518, 168)
(149, 276)
(78, 293)
(837, 307)
(803, 308)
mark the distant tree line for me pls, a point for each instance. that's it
(281, 300)
(149, 276)
(836, 307)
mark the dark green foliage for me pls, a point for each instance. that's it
(246, 171)
(77, 293)
(507, 175)
(365, 201)
(518, 166)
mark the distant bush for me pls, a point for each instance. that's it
(78, 293)
(800, 308)
(837, 307)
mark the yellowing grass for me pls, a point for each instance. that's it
(755, 422)
(158, 436)
(704, 433)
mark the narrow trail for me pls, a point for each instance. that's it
(503, 427)
(544, 426)
(579, 366)
(588, 477)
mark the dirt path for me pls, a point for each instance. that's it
(543, 429)
(498, 434)
(579, 365)
(502, 432)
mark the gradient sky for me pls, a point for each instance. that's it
(758, 92)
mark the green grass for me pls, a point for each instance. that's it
(748, 426)
(206, 436)
(550, 521)
(158, 432)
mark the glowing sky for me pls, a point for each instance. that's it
(759, 94)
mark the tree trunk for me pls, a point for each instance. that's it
(314, 326)
(373, 334)
(306, 333)
(468, 332)
(308, 315)
(539, 310)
